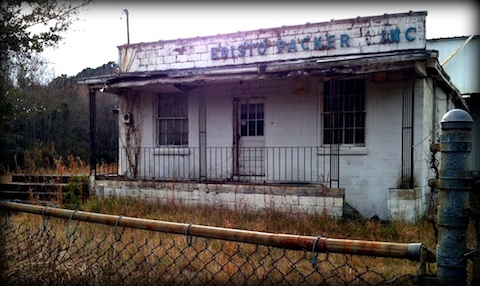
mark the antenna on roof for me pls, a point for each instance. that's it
(128, 28)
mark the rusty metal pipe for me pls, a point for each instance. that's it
(411, 251)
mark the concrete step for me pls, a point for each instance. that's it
(27, 191)
(26, 187)
(35, 178)
(33, 187)
(26, 196)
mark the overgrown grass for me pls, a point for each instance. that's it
(174, 254)
(140, 254)
(267, 220)
(53, 169)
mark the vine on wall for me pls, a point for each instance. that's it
(131, 106)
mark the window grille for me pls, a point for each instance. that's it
(344, 112)
(252, 119)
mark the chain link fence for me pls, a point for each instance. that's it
(47, 248)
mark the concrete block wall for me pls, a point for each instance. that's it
(338, 37)
(311, 200)
(405, 204)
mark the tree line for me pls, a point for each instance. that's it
(50, 120)
(42, 117)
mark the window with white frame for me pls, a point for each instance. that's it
(344, 112)
(252, 119)
(172, 119)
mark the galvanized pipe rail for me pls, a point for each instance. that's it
(412, 251)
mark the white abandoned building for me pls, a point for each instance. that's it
(303, 118)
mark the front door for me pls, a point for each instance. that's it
(250, 147)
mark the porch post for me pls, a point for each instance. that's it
(93, 129)
(202, 129)
(454, 192)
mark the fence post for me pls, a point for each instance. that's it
(454, 192)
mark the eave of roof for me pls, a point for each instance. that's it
(357, 63)
(325, 66)
(451, 38)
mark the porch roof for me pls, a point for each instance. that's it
(326, 66)
(424, 62)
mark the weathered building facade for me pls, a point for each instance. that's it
(311, 117)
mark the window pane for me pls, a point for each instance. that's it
(327, 121)
(349, 87)
(349, 120)
(349, 103)
(184, 108)
(175, 111)
(260, 128)
(327, 136)
(185, 126)
(184, 138)
(251, 128)
(348, 136)
(260, 111)
(243, 128)
(360, 85)
(359, 119)
(170, 125)
(338, 121)
(243, 111)
(176, 138)
(251, 111)
(336, 136)
(360, 136)
(326, 88)
(327, 103)
(168, 106)
(162, 140)
(161, 108)
(162, 125)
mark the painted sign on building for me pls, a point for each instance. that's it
(362, 35)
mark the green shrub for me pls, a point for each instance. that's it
(74, 192)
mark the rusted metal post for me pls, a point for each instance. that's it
(454, 193)
(202, 131)
(93, 132)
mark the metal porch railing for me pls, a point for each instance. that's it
(222, 164)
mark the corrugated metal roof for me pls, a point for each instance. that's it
(460, 59)
(450, 38)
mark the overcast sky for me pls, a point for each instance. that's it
(94, 38)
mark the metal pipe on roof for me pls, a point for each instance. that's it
(128, 27)
(458, 50)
